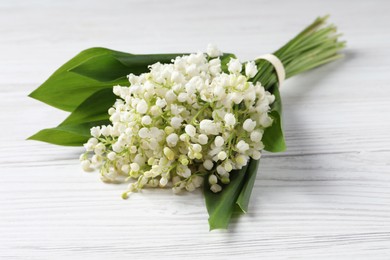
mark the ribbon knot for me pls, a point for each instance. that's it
(278, 66)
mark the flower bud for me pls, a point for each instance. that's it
(250, 69)
(213, 179)
(215, 188)
(218, 141)
(208, 164)
(249, 125)
(230, 120)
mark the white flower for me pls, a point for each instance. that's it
(256, 155)
(105, 131)
(256, 136)
(134, 167)
(215, 188)
(190, 186)
(250, 69)
(182, 122)
(176, 122)
(222, 155)
(163, 181)
(125, 168)
(208, 164)
(203, 139)
(172, 139)
(183, 171)
(265, 120)
(236, 97)
(144, 132)
(169, 153)
(95, 131)
(218, 141)
(161, 102)
(117, 90)
(184, 137)
(190, 130)
(213, 51)
(197, 181)
(219, 92)
(221, 170)
(91, 144)
(117, 147)
(142, 107)
(139, 159)
(215, 66)
(209, 127)
(99, 149)
(133, 149)
(191, 86)
(111, 156)
(230, 120)
(146, 120)
(213, 179)
(191, 70)
(249, 125)
(234, 66)
(170, 96)
(228, 166)
(155, 110)
(86, 165)
(182, 97)
(196, 148)
(242, 146)
(241, 160)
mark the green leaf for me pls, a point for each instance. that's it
(93, 109)
(89, 71)
(92, 70)
(75, 129)
(66, 135)
(84, 85)
(66, 90)
(102, 68)
(246, 191)
(273, 137)
(137, 63)
(220, 206)
(117, 65)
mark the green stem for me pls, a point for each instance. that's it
(193, 120)
(314, 46)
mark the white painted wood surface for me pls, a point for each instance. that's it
(327, 197)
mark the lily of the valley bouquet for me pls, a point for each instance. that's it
(182, 121)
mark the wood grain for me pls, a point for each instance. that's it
(327, 197)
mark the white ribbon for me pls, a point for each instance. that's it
(278, 65)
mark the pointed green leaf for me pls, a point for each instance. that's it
(246, 191)
(84, 85)
(67, 135)
(273, 137)
(102, 68)
(220, 206)
(117, 65)
(137, 63)
(66, 90)
(92, 70)
(59, 137)
(93, 109)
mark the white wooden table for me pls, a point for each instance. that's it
(327, 197)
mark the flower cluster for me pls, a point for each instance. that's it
(180, 123)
